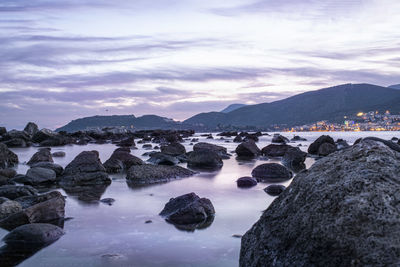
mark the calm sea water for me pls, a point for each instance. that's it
(117, 235)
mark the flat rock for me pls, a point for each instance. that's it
(151, 174)
(58, 169)
(275, 151)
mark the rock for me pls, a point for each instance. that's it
(188, 209)
(85, 169)
(57, 140)
(246, 182)
(151, 174)
(42, 155)
(13, 191)
(148, 221)
(120, 160)
(8, 173)
(248, 149)
(298, 138)
(127, 142)
(271, 173)
(275, 151)
(14, 134)
(3, 131)
(38, 176)
(16, 142)
(43, 135)
(7, 157)
(5, 181)
(341, 144)
(313, 148)
(44, 208)
(58, 154)
(58, 169)
(108, 201)
(325, 149)
(204, 159)
(8, 208)
(162, 159)
(343, 211)
(390, 144)
(194, 140)
(277, 138)
(274, 189)
(220, 150)
(88, 194)
(294, 159)
(173, 149)
(228, 134)
(147, 146)
(237, 139)
(31, 128)
(36, 234)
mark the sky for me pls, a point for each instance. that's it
(62, 60)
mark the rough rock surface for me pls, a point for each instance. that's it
(294, 159)
(275, 151)
(151, 174)
(246, 182)
(159, 158)
(58, 169)
(31, 128)
(121, 159)
(39, 176)
(43, 155)
(9, 173)
(248, 149)
(204, 159)
(277, 138)
(271, 173)
(343, 211)
(34, 234)
(7, 157)
(14, 191)
(173, 149)
(8, 208)
(313, 148)
(220, 150)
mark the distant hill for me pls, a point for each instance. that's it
(395, 86)
(330, 104)
(232, 107)
(147, 122)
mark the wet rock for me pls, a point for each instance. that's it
(127, 142)
(277, 138)
(228, 134)
(7, 157)
(246, 182)
(325, 149)
(341, 144)
(108, 201)
(274, 189)
(8, 173)
(43, 155)
(8, 208)
(31, 128)
(147, 146)
(314, 147)
(58, 154)
(220, 150)
(194, 140)
(87, 194)
(58, 169)
(173, 149)
(204, 159)
(275, 151)
(248, 149)
(13, 191)
(188, 209)
(390, 144)
(14, 134)
(298, 138)
(36, 234)
(151, 174)
(237, 139)
(339, 211)
(294, 159)
(120, 160)
(43, 135)
(16, 142)
(38, 176)
(85, 169)
(5, 181)
(162, 159)
(271, 173)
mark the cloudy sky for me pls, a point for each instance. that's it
(61, 60)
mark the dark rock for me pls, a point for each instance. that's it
(325, 149)
(16, 142)
(3, 131)
(298, 138)
(173, 149)
(31, 128)
(271, 173)
(277, 138)
(57, 140)
(7, 157)
(313, 148)
(275, 151)
(162, 159)
(88, 194)
(9, 207)
(36, 234)
(204, 159)
(151, 174)
(248, 149)
(58, 169)
(194, 140)
(390, 144)
(121, 159)
(108, 201)
(188, 209)
(42, 155)
(228, 134)
(43, 135)
(147, 146)
(341, 144)
(246, 182)
(85, 169)
(294, 159)
(58, 154)
(8, 173)
(127, 142)
(237, 139)
(13, 191)
(6, 181)
(343, 211)
(220, 150)
(38, 176)
(14, 134)
(148, 221)
(274, 189)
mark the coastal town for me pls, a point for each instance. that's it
(362, 121)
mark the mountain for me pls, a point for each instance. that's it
(138, 123)
(395, 86)
(232, 107)
(330, 104)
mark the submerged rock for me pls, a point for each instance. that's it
(343, 211)
(151, 174)
(43, 155)
(7, 157)
(248, 149)
(271, 173)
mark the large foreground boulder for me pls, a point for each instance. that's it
(343, 211)
(151, 174)
(85, 169)
(7, 157)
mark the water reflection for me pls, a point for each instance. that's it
(192, 227)
(88, 194)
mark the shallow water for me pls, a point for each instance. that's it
(117, 235)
